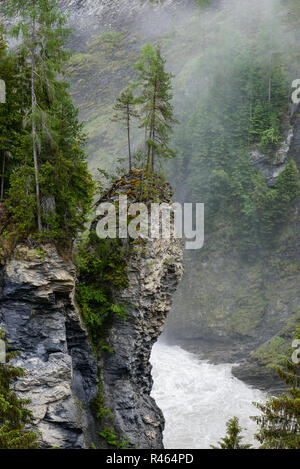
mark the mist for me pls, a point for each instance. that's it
(219, 55)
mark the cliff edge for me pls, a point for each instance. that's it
(63, 371)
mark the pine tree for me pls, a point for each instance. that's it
(233, 438)
(49, 186)
(43, 35)
(125, 108)
(13, 71)
(14, 415)
(279, 424)
(3, 47)
(157, 109)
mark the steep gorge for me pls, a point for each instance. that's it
(227, 307)
(245, 310)
(41, 321)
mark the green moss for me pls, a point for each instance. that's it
(272, 353)
(105, 418)
(114, 440)
(275, 351)
(101, 271)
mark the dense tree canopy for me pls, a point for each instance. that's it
(45, 180)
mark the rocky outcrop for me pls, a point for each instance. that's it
(42, 323)
(153, 278)
(94, 16)
(273, 167)
(154, 269)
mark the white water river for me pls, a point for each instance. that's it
(197, 399)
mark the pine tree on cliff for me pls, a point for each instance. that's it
(12, 71)
(125, 108)
(233, 437)
(42, 32)
(14, 415)
(157, 108)
(279, 424)
(50, 188)
(3, 127)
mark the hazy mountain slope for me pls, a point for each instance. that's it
(228, 304)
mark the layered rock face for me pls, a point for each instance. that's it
(92, 16)
(154, 270)
(42, 323)
(153, 279)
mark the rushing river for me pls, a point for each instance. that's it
(197, 399)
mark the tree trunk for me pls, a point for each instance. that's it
(270, 78)
(153, 152)
(2, 178)
(152, 128)
(128, 135)
(143, 164)
(34, 135)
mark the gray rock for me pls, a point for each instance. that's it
(43, 324)
(154, 269)
(273, 168)
(91, 17)
(154, 273)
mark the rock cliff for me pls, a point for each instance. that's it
(43, 323)
(96, 16)
(154, 269)
(153, 279)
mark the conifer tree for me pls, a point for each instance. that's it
(279, 424)
(13, 69)
(50, 187)
(14, 415)
(233, 437)
(156, 99)
(125, 108)
(42, 31)
(3, 155)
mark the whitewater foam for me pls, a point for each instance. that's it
(197, 398)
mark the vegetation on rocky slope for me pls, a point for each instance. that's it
(279, 422)
(232, 98)
(14, 414)
(46, 188)
(232, 95)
